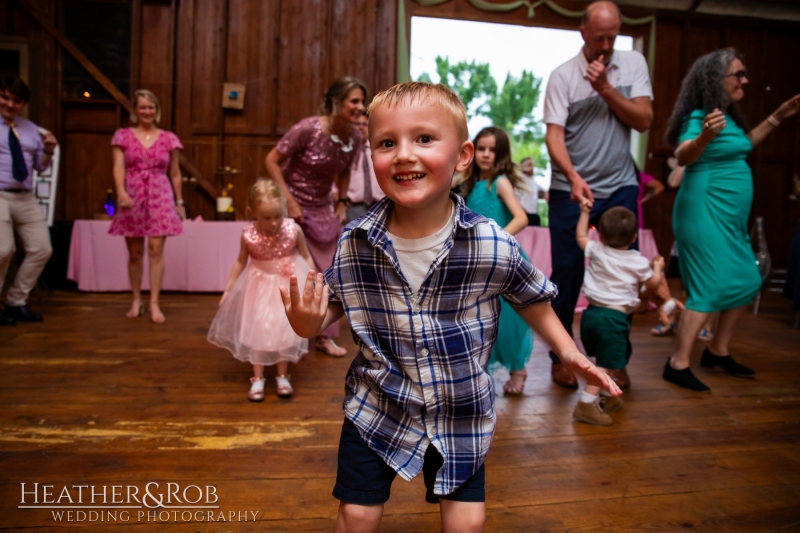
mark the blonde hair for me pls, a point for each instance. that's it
(265, 189)
(417, 90)
(144, 93)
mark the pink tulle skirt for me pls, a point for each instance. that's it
(252, 323)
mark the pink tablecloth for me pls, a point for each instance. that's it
(536, 243)
(199, 260)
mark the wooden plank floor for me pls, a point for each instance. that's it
(91, 398)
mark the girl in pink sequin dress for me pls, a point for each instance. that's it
(251, 321)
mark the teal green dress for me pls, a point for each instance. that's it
(717, 263)
(514, 338)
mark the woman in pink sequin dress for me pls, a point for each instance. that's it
(251, 322)
(145, 161)
(315, 154)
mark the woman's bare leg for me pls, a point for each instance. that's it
(691, 324)
(155, 250)
(135, 268)
(727, 323)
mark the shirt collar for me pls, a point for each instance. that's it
(374, 222)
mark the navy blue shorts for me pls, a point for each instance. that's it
(363, 478)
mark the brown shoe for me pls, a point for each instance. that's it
(563, 377)
(620, 377)
(591, 413)
(611, 404)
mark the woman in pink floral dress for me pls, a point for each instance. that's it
(145, 161)
(313, 155)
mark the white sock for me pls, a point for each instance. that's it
(588, 398)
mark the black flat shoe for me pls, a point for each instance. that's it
(22, 314)
(6, 320)
(726, 363)
(684, 378)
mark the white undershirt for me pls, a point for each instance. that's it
(416, 255)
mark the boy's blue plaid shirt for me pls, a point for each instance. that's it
(420, 377)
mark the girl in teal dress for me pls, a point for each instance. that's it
(489, 190)
(712, 208)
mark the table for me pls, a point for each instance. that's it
(200, 259)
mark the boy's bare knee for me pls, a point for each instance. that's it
(466, 517)
(358, 518)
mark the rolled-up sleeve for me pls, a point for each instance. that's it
(526, 284)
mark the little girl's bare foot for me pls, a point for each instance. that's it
(135, 310)
(156, 315)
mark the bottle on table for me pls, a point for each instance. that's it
(108, 206)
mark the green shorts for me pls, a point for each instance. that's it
(604, 333)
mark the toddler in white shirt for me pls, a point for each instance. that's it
(611, 285)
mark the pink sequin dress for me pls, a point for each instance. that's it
(314, 160)
(147, 183)
(252, 323)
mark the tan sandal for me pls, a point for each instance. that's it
(326, 345)
(513, 386)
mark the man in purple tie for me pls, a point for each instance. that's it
(22, 149)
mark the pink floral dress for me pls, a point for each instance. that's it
(147, 183)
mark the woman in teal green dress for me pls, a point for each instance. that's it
(489, 191)
(712, 208)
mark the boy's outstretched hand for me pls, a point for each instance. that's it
(306, 312)
(580, 365)
(586, 205)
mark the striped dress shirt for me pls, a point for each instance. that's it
(420, 375)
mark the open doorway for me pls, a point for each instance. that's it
(507, 50)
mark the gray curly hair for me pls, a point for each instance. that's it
(703, 88)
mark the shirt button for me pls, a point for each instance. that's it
(417, 309)
(425, 351)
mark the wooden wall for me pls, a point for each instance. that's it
(287, 52)
(774, 75)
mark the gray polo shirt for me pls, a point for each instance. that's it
(598, 143)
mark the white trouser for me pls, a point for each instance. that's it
(20, 213)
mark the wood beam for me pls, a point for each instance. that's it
(694, 6)
(107, 84)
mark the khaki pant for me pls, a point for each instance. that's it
(20, 213)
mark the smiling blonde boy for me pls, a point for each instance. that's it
(419, 278)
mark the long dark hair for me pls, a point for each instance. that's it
(704, 88)
(503, 165)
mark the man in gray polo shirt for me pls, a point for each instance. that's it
(591, 104)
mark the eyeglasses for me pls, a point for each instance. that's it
(739, 75)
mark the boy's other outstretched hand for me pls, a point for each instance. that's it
(306, 312)
(580, 365)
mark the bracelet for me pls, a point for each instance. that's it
(694, 142)
(179, 202)
(342, 201)
(774, 121)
